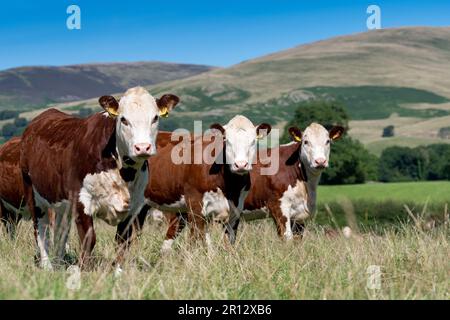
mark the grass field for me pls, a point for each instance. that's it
(420, 192)
(378, 205)
(413, 264)
(413, 261)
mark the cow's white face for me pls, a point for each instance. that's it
(316, 143)
(137, 116)
(240, 137)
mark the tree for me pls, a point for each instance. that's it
(8, 114)
(9, 130)
(438, 165)
(444, 133)
(350, 162)
(20, 122)
(388, 132)
(401, 164)
(327, 113)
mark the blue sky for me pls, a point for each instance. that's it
(214, 32)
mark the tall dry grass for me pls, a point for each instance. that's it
(414, 265)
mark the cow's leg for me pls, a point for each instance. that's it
(62, 223)
(43, 239)
(196, 219)
(282, 223)
(86, 233)
(40, 224)
(10, 220)
(177, 222)
(231, 227)
(126, 232)
(298, 228)
(197, 225)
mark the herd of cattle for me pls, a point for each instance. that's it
(114, 165)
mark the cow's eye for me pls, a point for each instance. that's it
(155, 119)
(306, 142)
(124, 121)
(328, 141)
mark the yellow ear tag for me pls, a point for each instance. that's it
(164, 112)
(336, 135)
(259, 136)
(113, 113)
(297, 138)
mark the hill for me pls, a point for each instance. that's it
(28, 87)
(390, 76)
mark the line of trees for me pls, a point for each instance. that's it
(15, 128)
(350, 162)
(413, 164)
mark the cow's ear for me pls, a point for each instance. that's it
(336, 132)
(166, 103)
(263, 130)
(110, 105)
(296, 134)
(217, 126)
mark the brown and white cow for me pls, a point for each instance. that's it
(205, 191)
(12, 200)
(289, 195)
(12, 204)
(90, 166)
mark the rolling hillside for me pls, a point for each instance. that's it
(390, 76)
(28, 87)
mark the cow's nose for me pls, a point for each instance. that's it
(321, 162)
(241, 165)
(142, 149)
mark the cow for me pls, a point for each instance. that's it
(12, 205)
(12, 202)
(90, 167)
(205, 191)
(288, 196)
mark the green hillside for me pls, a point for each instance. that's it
(385, 77)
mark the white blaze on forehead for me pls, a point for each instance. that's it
(139, 108)
(240, 135)
(240, 122)
(318, 145)
(136, 99)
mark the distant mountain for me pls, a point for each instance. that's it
(25, 87)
